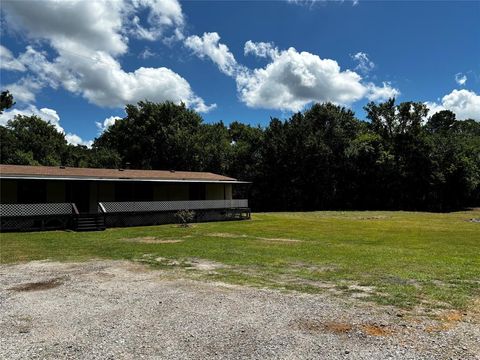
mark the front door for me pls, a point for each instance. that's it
(80, 195)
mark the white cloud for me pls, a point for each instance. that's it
(385, 92)
(208, 46)
(291, 80)
(74, 139)
(104, 83)
(261, 49)
(308, 3)
(365, 65)
(88, 37)
(433, 107)
(464, 103)
(460, 79)
(71, 24)
(48, 115)
(8, 61)
(294, 79)
(311, 3)
(146, 53)
(102, 126)
(163, 14)
(24, 90)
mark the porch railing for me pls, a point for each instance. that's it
(147, 206)
(36, 209)
(46, 209)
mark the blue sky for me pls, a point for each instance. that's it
(76, 63)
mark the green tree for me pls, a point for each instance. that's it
(213, 148)
(32, 141)
(6, 101)
(155, 136)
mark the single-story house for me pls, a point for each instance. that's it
(46, 197)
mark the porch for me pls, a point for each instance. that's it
(51, 216)
(43, 198)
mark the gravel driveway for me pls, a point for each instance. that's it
(121, 310)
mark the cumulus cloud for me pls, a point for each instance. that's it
(8, 61)
(88, 36)
(24, 90)
(294, 79)
(291, 80)
(71, 24)
(460, 79)
(381, 93)
(74, 139)
(163, 14)
(45, 114)
(364, 64)
(464, 103)
(261, 49)
(208, 46)
(102, 126)
(48, 115)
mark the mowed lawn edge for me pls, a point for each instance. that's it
(399, 258)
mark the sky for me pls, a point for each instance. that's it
(76, 63)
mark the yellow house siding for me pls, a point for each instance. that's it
(106, 192)
(228, 191)
(160, 192)
(178, 192)
(55, 191)
(215, 191)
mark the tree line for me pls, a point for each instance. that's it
(322, 158)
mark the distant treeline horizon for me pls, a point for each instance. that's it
(323, 158)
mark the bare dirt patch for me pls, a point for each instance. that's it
(376, 330)
(448, 320)
(362, 288)
(474, 220)
(191, 263)
(375, 217)
(152, 240)
(279, 239)
(38, 286)
(452, 316)
(338, 328)
(226, 235)
(166, 261)
(205, 265)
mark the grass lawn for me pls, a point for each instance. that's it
(400, 258)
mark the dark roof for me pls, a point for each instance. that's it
(56, 172)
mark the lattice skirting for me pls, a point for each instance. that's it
(59, 222)
(168, 217)
(32, 223)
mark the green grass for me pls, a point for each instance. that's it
(400, 258)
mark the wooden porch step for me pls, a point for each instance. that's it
(89, 222)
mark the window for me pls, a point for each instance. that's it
(32, 191)
(143, 191)
(123, 191)
(197, 192)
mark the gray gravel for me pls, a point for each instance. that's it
(120, 310)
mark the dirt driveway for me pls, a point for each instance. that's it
(121, 310)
